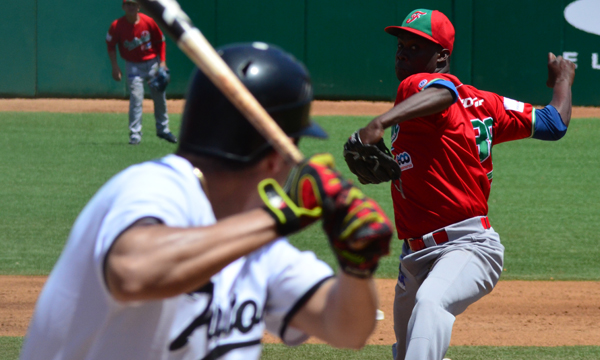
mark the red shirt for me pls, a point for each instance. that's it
(446, 158)
(137, 42)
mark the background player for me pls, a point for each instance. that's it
(142, 45)
(182, 258)
(442, 137)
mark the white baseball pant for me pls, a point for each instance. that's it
(137, 74)
(439, 282)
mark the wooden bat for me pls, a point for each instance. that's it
(190, 40)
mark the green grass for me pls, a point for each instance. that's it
(10, 347)
(543, 201)
(51, 166)
(543, 204)
(383, 352)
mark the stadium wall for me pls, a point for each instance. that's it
(56, 48)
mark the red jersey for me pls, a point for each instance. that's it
(137, 42)
(446, 158)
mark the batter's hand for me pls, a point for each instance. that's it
(559, 69)
(116, 73)
(359, 232)
(310, 184)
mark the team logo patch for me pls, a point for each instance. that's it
(404, 160)
(416, 15)
(395, 131)
(422, 83)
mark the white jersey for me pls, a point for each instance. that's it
(77, 318)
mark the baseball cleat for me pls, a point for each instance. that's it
(135, 139)
(168, 136)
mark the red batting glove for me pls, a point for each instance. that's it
(311, 184)
(359, 232)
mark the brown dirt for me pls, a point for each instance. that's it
(516, 313)
(367, 108)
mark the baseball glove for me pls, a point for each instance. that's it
(161, 79)
(372, 164)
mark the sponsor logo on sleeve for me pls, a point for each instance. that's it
(513, 105)
(404, 160)
(422, 83)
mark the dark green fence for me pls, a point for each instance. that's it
(56, 48)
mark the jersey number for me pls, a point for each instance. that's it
(483, 137)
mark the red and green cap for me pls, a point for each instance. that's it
(430, 24)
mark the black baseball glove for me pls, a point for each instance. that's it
(161, 79)
(372, 164)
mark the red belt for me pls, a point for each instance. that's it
(440, 237)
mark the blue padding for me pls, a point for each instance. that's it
(445, 84)
(548, 124)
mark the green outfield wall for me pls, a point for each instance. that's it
(57, 49)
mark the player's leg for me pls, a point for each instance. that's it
(135, 83)
(404, 301)
(160, 106)
(463, 274)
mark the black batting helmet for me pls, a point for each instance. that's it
(212, 126)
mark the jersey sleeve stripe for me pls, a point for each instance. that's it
(532, 122)
(443, 83)
(299, 304)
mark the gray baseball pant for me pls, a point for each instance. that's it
(439, 282)
(137, 74)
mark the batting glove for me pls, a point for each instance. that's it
(359, 232)
(309, 185)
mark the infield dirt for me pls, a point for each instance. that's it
(516, 313)
(366, 108)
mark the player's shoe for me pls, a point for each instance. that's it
(135, 139)
(168, 136)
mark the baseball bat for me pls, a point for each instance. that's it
(190, 40)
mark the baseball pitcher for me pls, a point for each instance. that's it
(440, 166)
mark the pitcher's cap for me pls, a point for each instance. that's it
(430, 24)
